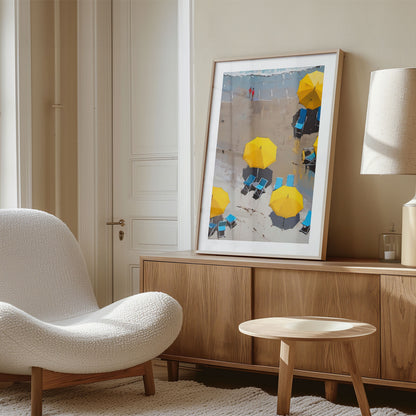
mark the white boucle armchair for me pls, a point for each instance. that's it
(52, 331)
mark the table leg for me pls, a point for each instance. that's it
(284, 390)
(356, 378)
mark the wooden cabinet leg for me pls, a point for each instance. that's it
(36, 391)
(148, 380)
(284, 390)
(331, 390)
(356, 378)
(173, 370)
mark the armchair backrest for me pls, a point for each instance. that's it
(42, 269)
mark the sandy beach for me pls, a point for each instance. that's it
(242, 119)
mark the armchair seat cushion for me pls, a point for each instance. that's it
(121, 335)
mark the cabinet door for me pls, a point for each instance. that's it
(342, 295)
(215, 300)
(398, 330)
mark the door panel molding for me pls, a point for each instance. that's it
(150, 234)
(146, 180)
(156, 156)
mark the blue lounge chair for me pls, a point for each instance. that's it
(260, 188)
(231, 220)
(301, 120)
(221, 229)
(278, 184)
(247, 184)
(211, 228)
(307, 220)
(306, 223)
(310, 158)
(290, 181)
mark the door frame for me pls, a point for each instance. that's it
(95, 143)
(95, 138)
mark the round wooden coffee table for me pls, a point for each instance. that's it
(291, 329)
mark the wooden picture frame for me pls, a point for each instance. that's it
(267, 177)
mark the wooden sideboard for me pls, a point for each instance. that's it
(217, 293)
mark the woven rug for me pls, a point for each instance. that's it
(182, 398)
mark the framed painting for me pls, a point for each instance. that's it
(269, 156)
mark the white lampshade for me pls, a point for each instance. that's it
(390, 131)
(390, 140)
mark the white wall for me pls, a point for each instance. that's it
(374, 34)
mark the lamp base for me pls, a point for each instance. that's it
(409, 234)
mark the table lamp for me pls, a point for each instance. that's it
(390, 140)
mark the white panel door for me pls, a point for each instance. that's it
(145, 123)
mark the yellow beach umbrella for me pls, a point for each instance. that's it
(310, 89)
(219, 201)
(286, 201)
(260, 152)
(315, 145)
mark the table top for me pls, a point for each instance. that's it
(306, 328)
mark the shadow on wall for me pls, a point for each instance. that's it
(359, 199)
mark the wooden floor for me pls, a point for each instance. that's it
(404, 401)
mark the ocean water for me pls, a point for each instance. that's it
(267, 85)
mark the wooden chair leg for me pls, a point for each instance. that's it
(331, 390)
(284, 390)
(36, 391)
(356, 378)
(149, 382)
(44, 380)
